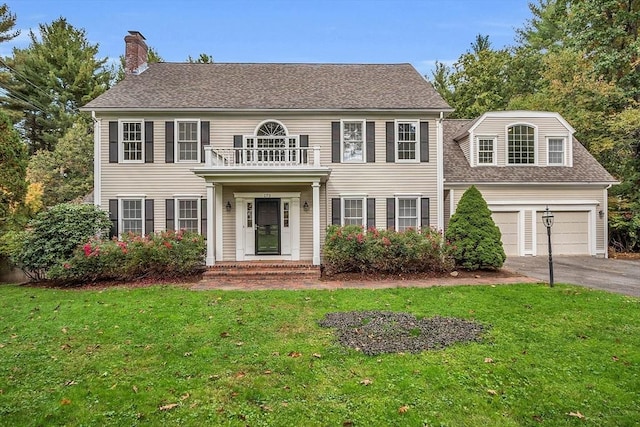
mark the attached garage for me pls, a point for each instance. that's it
(569, 234)
(508, 224)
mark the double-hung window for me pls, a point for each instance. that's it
(555, 147)
(521, 145)
(353, 211)
(132, 140)
(132, 216)
(486, 150)
(407, 141)
(188, 218)
(353, 137)
(407, 213)
(187, 141)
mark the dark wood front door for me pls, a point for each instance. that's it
(267, 226)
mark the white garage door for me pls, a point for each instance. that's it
(508, 224)
(569, 234)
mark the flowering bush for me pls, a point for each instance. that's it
(167, 254)
(351, 249)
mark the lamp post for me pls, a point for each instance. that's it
(547, 220)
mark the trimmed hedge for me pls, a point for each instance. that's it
(351, 249)
(166, 255)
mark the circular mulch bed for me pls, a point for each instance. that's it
(377, 332)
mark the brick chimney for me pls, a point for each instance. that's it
(135, 53)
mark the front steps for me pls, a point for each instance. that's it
(252, 271)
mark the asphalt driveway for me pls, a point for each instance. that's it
(614, 275)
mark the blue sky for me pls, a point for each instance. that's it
(335, 31)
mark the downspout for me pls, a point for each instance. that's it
(606, 220)
(440, 170)
(97, 188)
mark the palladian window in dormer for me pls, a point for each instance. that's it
(521, 145)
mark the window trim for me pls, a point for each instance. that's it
(121, 150)
(494, 150)
(564, 150)
(363, 122)
(139, 198)
(415, 197)
(363, 200)
(396, 129)
(176, 208)
(176, 133)
(535, 144)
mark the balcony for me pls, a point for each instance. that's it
(300, 157)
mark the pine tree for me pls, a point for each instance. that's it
(474, 237)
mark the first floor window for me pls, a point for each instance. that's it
(407, 213)
(521, 145)
(353, 141)
(353, 212)
(556, 151)
(132, 216)
(407, 140)
(187, 141)
(188, 215)
(132, 141)
(485, 151)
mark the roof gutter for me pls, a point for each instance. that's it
(262, 110)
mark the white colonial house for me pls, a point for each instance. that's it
(261, 158)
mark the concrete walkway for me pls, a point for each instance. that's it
(614, 275)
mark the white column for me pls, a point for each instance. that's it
(440, 173)
(316, 223)
(211, 223)
(219, 210)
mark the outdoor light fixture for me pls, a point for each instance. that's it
(547, 220)
(228, 206)
(601, 214)
(306, 206)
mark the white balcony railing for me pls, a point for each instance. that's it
(262, 157)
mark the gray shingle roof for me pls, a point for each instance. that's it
(585, 168)
(174, 86)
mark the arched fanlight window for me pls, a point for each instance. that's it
(271, 129)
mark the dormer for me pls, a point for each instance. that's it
(516, 139)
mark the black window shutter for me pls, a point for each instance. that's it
(371, 213)
(391, 141)
(170, 205)
(169, 141)
(148, 216)
(204, 138)
(304, 143)
(148, 142)
(424, 212)
(335, 142)
(336, 211)
(424, 141)
(203, 217)
(237, 143)
(371, 142)
(391, 213)
(113, 216)
(113, 142)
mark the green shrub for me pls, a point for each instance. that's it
(53, 235)
(350, 249)
(474, 237)
(165, 255)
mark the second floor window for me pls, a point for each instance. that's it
(556, 151)
(187, 141)
(486, 148)
(132, 141)
(521, 145)
(353, 141)
(407, 140)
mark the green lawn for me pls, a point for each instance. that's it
(167, 355)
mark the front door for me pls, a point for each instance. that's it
(267, 226)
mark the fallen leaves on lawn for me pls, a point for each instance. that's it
(488, 360)
(576, 414)
(135, 389)
(403, 409)
(492, 392)
(294, 354)
(168, 407)
(317, 355)
(65, 401)
(366, 381)
(70, 382)
(224, 334)
(240, 374)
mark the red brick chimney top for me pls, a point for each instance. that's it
(136, 52)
